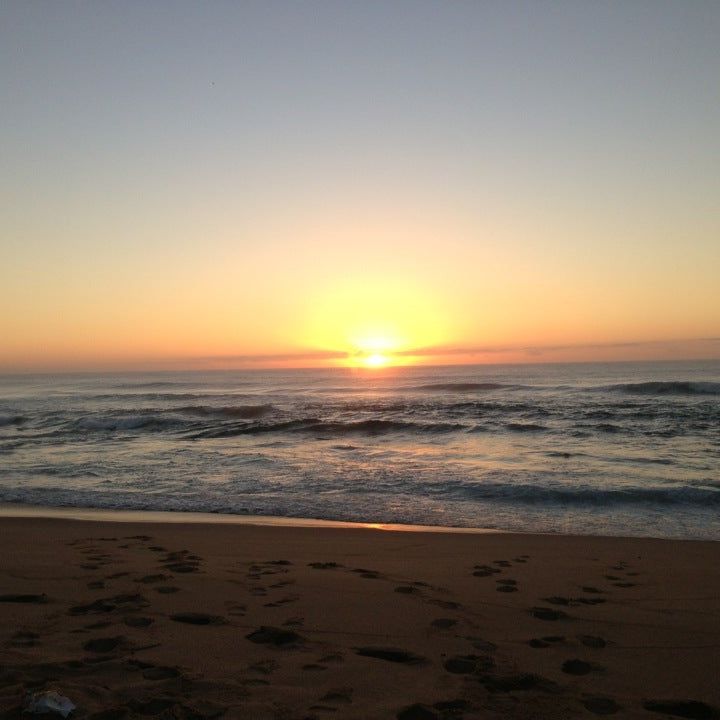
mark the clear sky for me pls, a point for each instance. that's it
(190, 184)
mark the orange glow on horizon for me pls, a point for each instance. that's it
(374, 321)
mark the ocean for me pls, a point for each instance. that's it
(607, 449)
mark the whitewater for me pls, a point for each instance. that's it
(608, 449)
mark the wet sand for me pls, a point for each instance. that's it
(241, 621)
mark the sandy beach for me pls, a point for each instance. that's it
(240, 621)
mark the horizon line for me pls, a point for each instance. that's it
(529, 354)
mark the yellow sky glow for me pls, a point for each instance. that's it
(463, 183)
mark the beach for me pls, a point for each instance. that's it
(203, 620)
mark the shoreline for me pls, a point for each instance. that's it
(181, 517)
(18, 510)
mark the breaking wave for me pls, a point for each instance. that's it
(465, 387)
(591, 496)
(315, 425)
(682, 387)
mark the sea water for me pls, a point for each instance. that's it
(610, 449)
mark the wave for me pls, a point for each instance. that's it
(160, 396)
(158, 384)
(464, 387)
(525, 427)
(517, 493)
(315, 425)
(245, 412)
(140, 421)
(681, 387)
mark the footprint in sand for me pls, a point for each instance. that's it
(507, 586)
(277, 637)
(138, 621)
(281, 584)
(182, 561)
(167, 589)
(324, 565)
(264, 667)
(417, 712)
(579, 667)
(24, 598)
(521, 682)
(106, 605)
(466, 664)
(235, 609)
(692, 709)
(543, 613)
(390, 654)
(24, 638)
(104, 645)
(367, 574)
(485, 571)
(98, 625)
(446, 604)
(160, 673)
(148, 579)
(444, 623)
(593, 641)
(332, 658)
(338, 696)
(601, 706)
(196, 618)
(573, 602)
(480, 644)
(155, 706)
(407, 590)
(546, 641)
(283, 601)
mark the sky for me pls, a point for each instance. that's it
(248, 184)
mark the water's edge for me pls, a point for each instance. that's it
(176, 517)
(180, 517)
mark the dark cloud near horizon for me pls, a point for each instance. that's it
(428, 352)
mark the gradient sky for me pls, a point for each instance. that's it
(256, 183)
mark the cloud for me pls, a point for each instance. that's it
(660, 347)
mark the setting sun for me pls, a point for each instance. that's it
(375, 321)
(376, 360)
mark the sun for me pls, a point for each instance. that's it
(376, 360)
(373, 350)
(373, 321)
